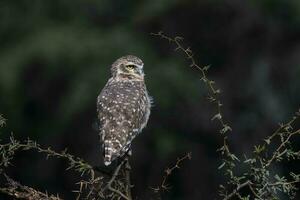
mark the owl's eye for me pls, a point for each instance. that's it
(130, 67)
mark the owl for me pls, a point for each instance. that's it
(123, 107)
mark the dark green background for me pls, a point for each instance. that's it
(55, 57)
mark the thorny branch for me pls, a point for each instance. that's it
(262, 184)
(18, 191)
(284, 129)
(213, 92)
(93, 187)
(164, 185)
(9, 149)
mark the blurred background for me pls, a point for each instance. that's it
(55, 58)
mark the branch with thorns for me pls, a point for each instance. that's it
(262, 178)
(18, 191)
(213, 92)
(8, 150)
(168, 172)
(228, 158)
(93, 185)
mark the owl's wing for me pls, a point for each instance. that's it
(145, 105)
(121, 113)
(102, 118)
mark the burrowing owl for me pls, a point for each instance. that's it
(123, 107)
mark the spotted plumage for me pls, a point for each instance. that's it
(123, 107)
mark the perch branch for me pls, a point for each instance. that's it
(18, 191)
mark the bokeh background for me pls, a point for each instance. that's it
(55, 58)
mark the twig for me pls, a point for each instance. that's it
(284, 129)
(277, 151)
(164, 186)
(236, 190)
(213, 92)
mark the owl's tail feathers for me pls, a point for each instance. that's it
(108, 152)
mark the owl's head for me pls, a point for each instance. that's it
(128, 67)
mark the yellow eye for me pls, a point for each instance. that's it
(130, 67)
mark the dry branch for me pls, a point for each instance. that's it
(164, 186)
(18, 191)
